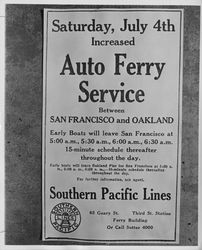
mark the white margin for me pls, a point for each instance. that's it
(2, 122)
(106, 2)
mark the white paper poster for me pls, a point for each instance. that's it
(112, 125)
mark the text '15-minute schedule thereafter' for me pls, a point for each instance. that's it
(112, 125)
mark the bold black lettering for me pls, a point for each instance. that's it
(118, 63)
(67, 66)
(84, 91)
(52, 190)
(55, 21)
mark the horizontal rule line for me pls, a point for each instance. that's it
(116, 10)
(61, 238)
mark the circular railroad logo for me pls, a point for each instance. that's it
(65, 217)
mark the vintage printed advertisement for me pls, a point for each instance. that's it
(112, 94)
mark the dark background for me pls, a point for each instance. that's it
(23, 137)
